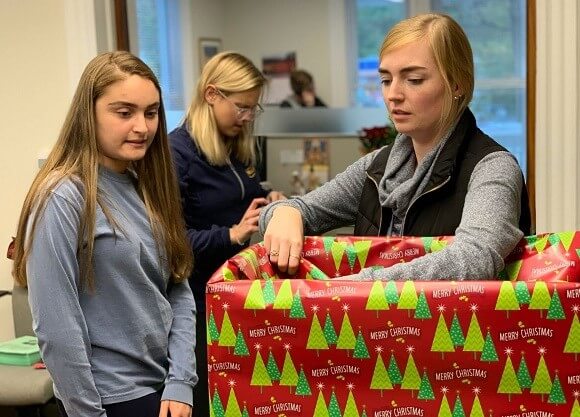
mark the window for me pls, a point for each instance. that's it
(497, 32)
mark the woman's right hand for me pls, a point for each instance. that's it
(284, 237)
(248, 225)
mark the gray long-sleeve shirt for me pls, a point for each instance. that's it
(134, 334)
(488, 230)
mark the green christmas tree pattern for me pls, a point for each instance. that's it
(333, 407)
(350, 256)
(289, 376)
(391, 292)
(377, 299)
(232, 407)
(241, 349)
(350, 409)
(513, 270)
(272, 367)
(411, 377)
(316, 339)
(427, 243)
(555, 310)
(297, 310)
(425, 389)
(458, 407)
(489, 353)
(542, 383)
(269, 291)
(541, 243)
(506, 299)
(455, 331)
(360, 348)
(444, 409)
(380, 380)
(245, 411)
(284, 298)
(337, 249)
(422, 311)
(438, 245)
(302, 386)
(393, 370)
(556, 393)
(216, 404)
(320, 410)
(227, 335)
(509, 383)
(522, 292)
(442, 339)
(566, 238)
(329, 331)
(576, 406)
(476, 409)
(228, 275)
(408, 297)
(474, 338)
(573, 341)
(540, 297)
(524, 377)
(327, 242)
(212, 329)
(346, 339)
(362, 251)
(260, 375)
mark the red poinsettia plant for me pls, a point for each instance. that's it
(376, 137)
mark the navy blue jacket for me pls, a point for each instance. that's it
(214, 198)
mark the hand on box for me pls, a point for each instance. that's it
(275, 196)
(175, 409)
(284, 237)
(242, 232)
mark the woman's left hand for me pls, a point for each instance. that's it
(275, 196)
(175, 409)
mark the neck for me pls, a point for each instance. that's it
(422, 147)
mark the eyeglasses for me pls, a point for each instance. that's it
(248, 113)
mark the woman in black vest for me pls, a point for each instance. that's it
(442, 175)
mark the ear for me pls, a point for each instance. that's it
(457, 91)
(210, 94)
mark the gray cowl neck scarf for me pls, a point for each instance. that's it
(403, 180)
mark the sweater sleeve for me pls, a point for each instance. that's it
(330, 206)
(182, 375)
(59, 323)
(487, 233)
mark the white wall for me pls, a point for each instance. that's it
(40, 60)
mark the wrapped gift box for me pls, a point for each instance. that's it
(323, 347)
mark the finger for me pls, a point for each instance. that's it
(274, 249)
(252, 220)
(284, 255)
(294, 257)
(257, 202)
(164, 408)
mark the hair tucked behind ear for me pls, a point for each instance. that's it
(229, 72)
(75, 156)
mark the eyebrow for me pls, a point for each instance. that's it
(131, 105)
(404, 70)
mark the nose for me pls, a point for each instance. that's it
(140, 123)
(394, 92)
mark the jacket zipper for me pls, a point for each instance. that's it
(239, 179)
(381, 218)
(413, 202)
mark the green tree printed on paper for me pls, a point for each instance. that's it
(284, 298)
(320, 410)
(350, 409)
(540, 297)
(411, 377)
(228, 335)
(316, 339)
(333, 407)
(456, 332)
(212, 329)
(380, 380)
(233, 408)
(255, 298)
(260, 375)
(524, 377)
(506, 299)
(337, 249)
(458, 408)
(241, 349)
(245, 411)
(442, 340)
(522, 292)
(476, 410)
(289, 375)
(408, 297)
(272, 367)
(362, 251)
(425, 389)
(509, 383)
(542, 383)
(474, 338)
(360, 348)
(216, 404)
(377, 299)
(302, 386)
(575, 408)
(297, 310)
(350, 256)
(573, 341)
(329, 332)
(444, 409)
(555, 310)
(513, 269)
(422, 311)
(346, 338)
(556, 393)
(391, 292)
(393, 370)
(269, 292)
(489, 353)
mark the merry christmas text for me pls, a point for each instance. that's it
(400, 411)
(270, 330)
(395, 332)
(276, 408)
(460, 373)
(335, 370)
(526, 333)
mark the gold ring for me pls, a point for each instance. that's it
(295, 256)
(274, 253)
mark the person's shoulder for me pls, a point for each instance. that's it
(182, 143)
(285, 104)
(65, 189)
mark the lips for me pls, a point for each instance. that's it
(399, 112)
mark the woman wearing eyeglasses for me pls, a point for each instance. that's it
(221, 194)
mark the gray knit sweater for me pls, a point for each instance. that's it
(133, 335)
(486, 235)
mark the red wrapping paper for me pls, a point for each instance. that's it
(332, 348)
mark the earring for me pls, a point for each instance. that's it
(456, 97)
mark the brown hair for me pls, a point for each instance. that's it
(300, 81)
(75, 157)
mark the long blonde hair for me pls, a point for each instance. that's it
(75, 156)
(452, 53)
(229, 72)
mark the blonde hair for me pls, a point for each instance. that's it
(452, 53)
(230, 73)
(75, 157)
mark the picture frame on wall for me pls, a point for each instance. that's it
(208, 47)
